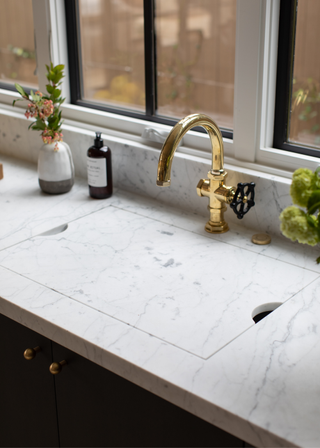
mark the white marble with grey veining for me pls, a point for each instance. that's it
(273, 374)
(26, 211)
(280, 248)
(120, 286)
(196, 293)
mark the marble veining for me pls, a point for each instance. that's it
(274, 367)
(280, 249)
(85, 288)
(27, 211)
(196, 293)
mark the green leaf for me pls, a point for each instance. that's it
(50, 75)
(14, 101)
(34, 96)
(56, 93)
(318, 260)
(56, 78)
(314, 202)
(53, 121)
(34, 122)
(49, 88)
(311, 222)
(21, 91)
(38, 125)
(58, 68)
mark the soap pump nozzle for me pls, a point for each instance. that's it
(98, 142)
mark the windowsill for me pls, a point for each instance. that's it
(135, 167)
(128, 131)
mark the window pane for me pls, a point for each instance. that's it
(305, 104)
(196, 58)
(17, 55)
(112, 52)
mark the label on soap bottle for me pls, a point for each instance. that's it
(97, 172)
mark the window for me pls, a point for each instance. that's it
(135, 64)
(112, 53)
(297, 120)
(155, 59)
(17, 52)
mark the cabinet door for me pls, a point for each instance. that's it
(98, 408)
(27, 396)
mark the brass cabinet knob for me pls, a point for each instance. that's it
(56, 367)
(30, 353)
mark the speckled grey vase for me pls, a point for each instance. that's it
(55, 168)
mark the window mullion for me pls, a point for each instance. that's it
(50, 39)
(58, 37)
(247, 98)
(149, 57)
(41, 20)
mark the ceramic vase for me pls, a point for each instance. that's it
(55, 168)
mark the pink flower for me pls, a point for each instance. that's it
(47, 108)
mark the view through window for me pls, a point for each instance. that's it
(112, 52)
(305, 103)
(17, 52)
(195, 56)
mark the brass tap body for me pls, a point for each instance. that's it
(213, 188)
(219, 195)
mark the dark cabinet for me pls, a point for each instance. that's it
(85, 404)
(28, 415)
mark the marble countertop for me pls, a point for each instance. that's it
(143, 290)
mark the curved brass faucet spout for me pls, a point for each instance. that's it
(240, 199)
(173, 140)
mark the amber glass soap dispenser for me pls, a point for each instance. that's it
(99, 169)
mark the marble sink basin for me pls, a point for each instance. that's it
(190, 290)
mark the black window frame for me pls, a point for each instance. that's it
(285, 64)
(73, 42)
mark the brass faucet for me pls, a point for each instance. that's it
(240, 199)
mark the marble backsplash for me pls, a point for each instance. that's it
(135, 168)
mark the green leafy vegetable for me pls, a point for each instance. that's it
(299, 225)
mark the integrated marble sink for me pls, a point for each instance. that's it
(192, 291)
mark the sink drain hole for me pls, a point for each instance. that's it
(55, 231)
(263, 310)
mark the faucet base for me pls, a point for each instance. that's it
(216, 227)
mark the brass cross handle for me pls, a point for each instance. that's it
(30, 353)
(56, 367)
